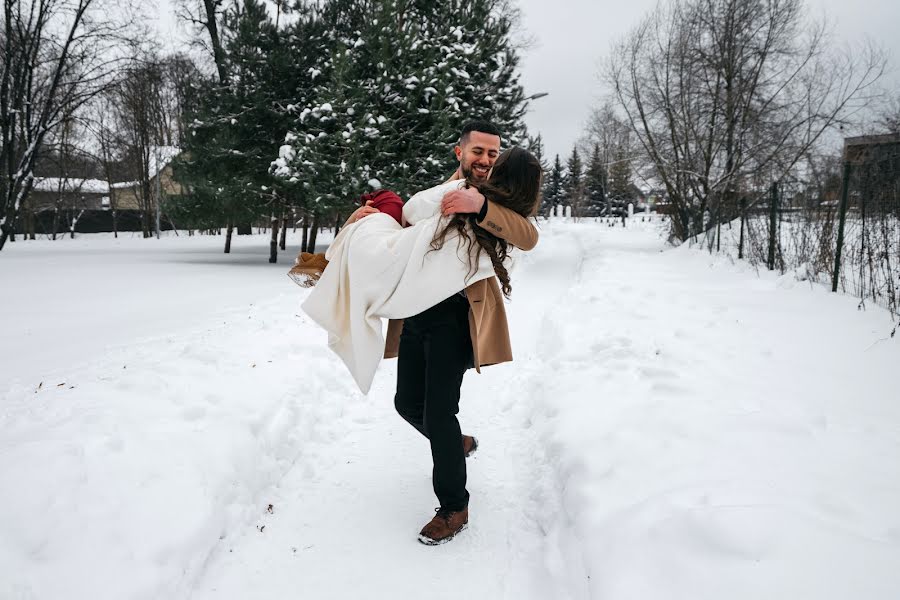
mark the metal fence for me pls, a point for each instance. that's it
(847, 238)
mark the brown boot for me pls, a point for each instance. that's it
(308, 268)
(470, 445)
(444, 525)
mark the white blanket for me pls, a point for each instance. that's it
(379, 270)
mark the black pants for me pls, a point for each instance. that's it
(435, 351)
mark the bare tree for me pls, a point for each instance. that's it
(890, 116)
(102, 127)
(148, 100)
(611, 133)
(56, 55)
(206, 15)
(719, 92)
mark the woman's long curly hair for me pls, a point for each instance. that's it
(515, 183)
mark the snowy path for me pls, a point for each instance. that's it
(346, 521)
(673, 426)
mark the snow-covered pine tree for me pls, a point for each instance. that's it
(621, 188)
(412, 73)
(233, 128)
(535, 145)
(553, 189)
(595, 184)
(489, 85)
(573, 183)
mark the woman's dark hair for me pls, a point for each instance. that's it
(515, 183)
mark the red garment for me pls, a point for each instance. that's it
(385, 201)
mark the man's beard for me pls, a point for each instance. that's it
(469, 173)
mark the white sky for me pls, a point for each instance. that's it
(571, 38)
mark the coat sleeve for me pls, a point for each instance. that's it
(509, 225)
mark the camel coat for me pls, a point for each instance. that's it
(487, 314)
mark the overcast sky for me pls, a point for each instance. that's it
(572, 37)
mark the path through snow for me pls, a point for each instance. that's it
(345, 523)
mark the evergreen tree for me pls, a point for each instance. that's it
(306, 116)
(233, 128)
(535, 145)
(553, 189)
(573, 183)
(595, 184)
(400, 80)
(621, 189)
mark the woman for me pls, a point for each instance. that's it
(378, 269)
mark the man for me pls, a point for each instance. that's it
(468, 329)
(477, 151)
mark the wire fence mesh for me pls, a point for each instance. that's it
(846, 237)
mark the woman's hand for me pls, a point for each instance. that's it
(362, 211)
(468, 200)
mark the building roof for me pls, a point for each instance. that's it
(124, 184)
(70, 185)
(160, 156)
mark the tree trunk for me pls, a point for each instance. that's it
(145, 219)
(283, 242)
(304, 242)
(228, 233)
(55, 222)
(773, 225)
(273, 243)
(743, 218)
(29, 223)
(218, 52)
(314, 230)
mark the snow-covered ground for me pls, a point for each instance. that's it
(674, 426)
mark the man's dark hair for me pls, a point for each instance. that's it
(480, 126)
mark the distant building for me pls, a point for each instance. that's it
(126, 194)
(88, 201)
(49, 193)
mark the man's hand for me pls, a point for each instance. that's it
(468, 200)
(362, 211)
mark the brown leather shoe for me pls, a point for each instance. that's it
(308, 268)
(470, 445)
(444, 526)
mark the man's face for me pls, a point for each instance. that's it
(477, 154)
